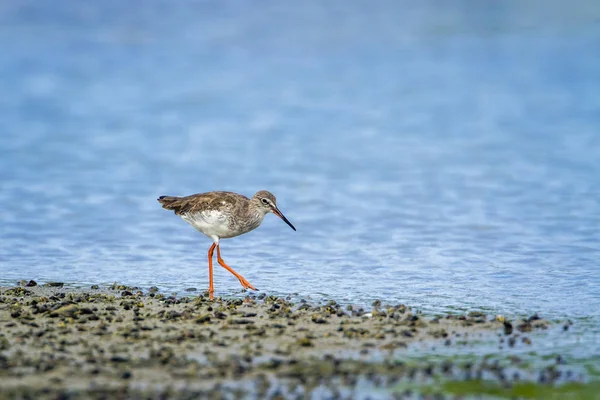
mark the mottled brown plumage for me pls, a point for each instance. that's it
(222, 215)
(203, 201)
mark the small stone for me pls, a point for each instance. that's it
(439, 333)
(318, 319)
(273, 363)
(476, 314)
(31, 283)
(202, 319)
(525, 327)
(240, 321)
(65, 311)
(534, 317)
(304, 342)
(54, 284)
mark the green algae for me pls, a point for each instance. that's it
(524, 390)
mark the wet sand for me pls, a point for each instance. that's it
(121, 341)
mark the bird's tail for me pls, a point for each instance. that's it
(168, 202)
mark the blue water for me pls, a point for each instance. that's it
(444, 155)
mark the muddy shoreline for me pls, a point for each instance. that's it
(122, 341)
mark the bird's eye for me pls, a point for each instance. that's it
(265, 201)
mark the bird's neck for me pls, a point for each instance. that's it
(255, 217)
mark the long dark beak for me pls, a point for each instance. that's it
(280, 215)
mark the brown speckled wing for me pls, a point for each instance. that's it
(202, 202)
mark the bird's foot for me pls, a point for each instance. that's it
(246, 284)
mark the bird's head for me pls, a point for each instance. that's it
(266, 203)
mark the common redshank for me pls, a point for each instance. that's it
(223, 215)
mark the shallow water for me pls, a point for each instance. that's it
(443, 156)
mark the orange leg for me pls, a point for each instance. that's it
(243, 281)
(211, 288)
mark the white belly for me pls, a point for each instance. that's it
(213, 224)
